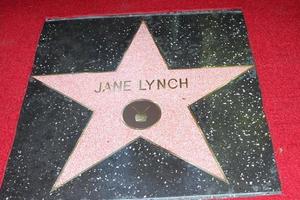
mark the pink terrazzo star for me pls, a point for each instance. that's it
(106, 132)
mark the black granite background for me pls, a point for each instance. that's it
(190, 40)
(231, 118)
(234, 124)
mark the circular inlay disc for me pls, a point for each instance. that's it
(141, 114)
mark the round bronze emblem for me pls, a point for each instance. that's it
(141, 114)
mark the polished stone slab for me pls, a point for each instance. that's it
(206, 53)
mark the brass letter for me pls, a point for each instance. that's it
(160, 83)
(107, 87)
(183, 83)
(169, 83)
(100, 88)
(116, 85)
(140, 85)
(149, 84)
(127, 85)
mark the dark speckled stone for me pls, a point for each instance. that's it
(233, 121)
(231, 118)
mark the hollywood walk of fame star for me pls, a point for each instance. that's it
(175, 131)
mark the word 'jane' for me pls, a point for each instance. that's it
(155, 84)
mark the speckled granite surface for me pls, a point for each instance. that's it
(229, 117)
